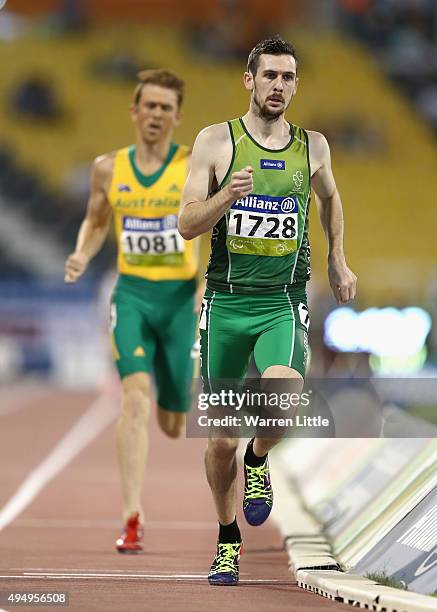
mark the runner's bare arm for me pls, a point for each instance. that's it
(95, 226)
(342, 280)
(201, 247)
(199, 213)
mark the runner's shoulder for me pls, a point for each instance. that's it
(212, 142)
(104, 164)
(215, 134)
(103, 168)
(317, 141)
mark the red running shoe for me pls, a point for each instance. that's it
(131, 540)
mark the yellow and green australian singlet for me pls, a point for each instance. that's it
(146, 212)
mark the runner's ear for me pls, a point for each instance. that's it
(248, 80)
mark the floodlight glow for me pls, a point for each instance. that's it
(380, 331)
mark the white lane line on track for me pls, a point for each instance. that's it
(110, 524)
(124, 576)
(63, 570)
(98, 416)
(80, 574)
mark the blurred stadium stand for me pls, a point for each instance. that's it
(384, 156)
(403, 36)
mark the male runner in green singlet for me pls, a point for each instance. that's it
(262, 169)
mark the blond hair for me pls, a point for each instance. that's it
(163, 78)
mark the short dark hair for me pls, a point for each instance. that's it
(270, 46)
(163, 78)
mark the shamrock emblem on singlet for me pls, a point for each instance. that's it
(298, 179)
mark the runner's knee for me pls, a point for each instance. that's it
(223, 447)
(135, 401)
(171, 423)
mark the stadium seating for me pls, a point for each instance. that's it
(385, 186)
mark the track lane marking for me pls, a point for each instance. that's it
(110, 524)
(124, 576)
(98, 416)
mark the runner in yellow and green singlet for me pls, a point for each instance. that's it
(153, 307)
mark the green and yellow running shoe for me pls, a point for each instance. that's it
(224, 569)
(258, 493)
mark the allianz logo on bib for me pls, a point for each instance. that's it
(274, 204)
(139, 224)
(272, 164)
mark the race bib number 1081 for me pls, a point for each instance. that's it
(263, 225)
(153, 242)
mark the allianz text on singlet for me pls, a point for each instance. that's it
(261, 244)
(146, 212)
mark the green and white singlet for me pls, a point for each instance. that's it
(255, 302)
(261, 244)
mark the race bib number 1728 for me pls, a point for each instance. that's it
(263, 225)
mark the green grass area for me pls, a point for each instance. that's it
(384, 580)
(426, 413)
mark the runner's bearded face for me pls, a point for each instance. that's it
(156, 114)
(274, 85)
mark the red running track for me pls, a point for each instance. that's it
(63, 540)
